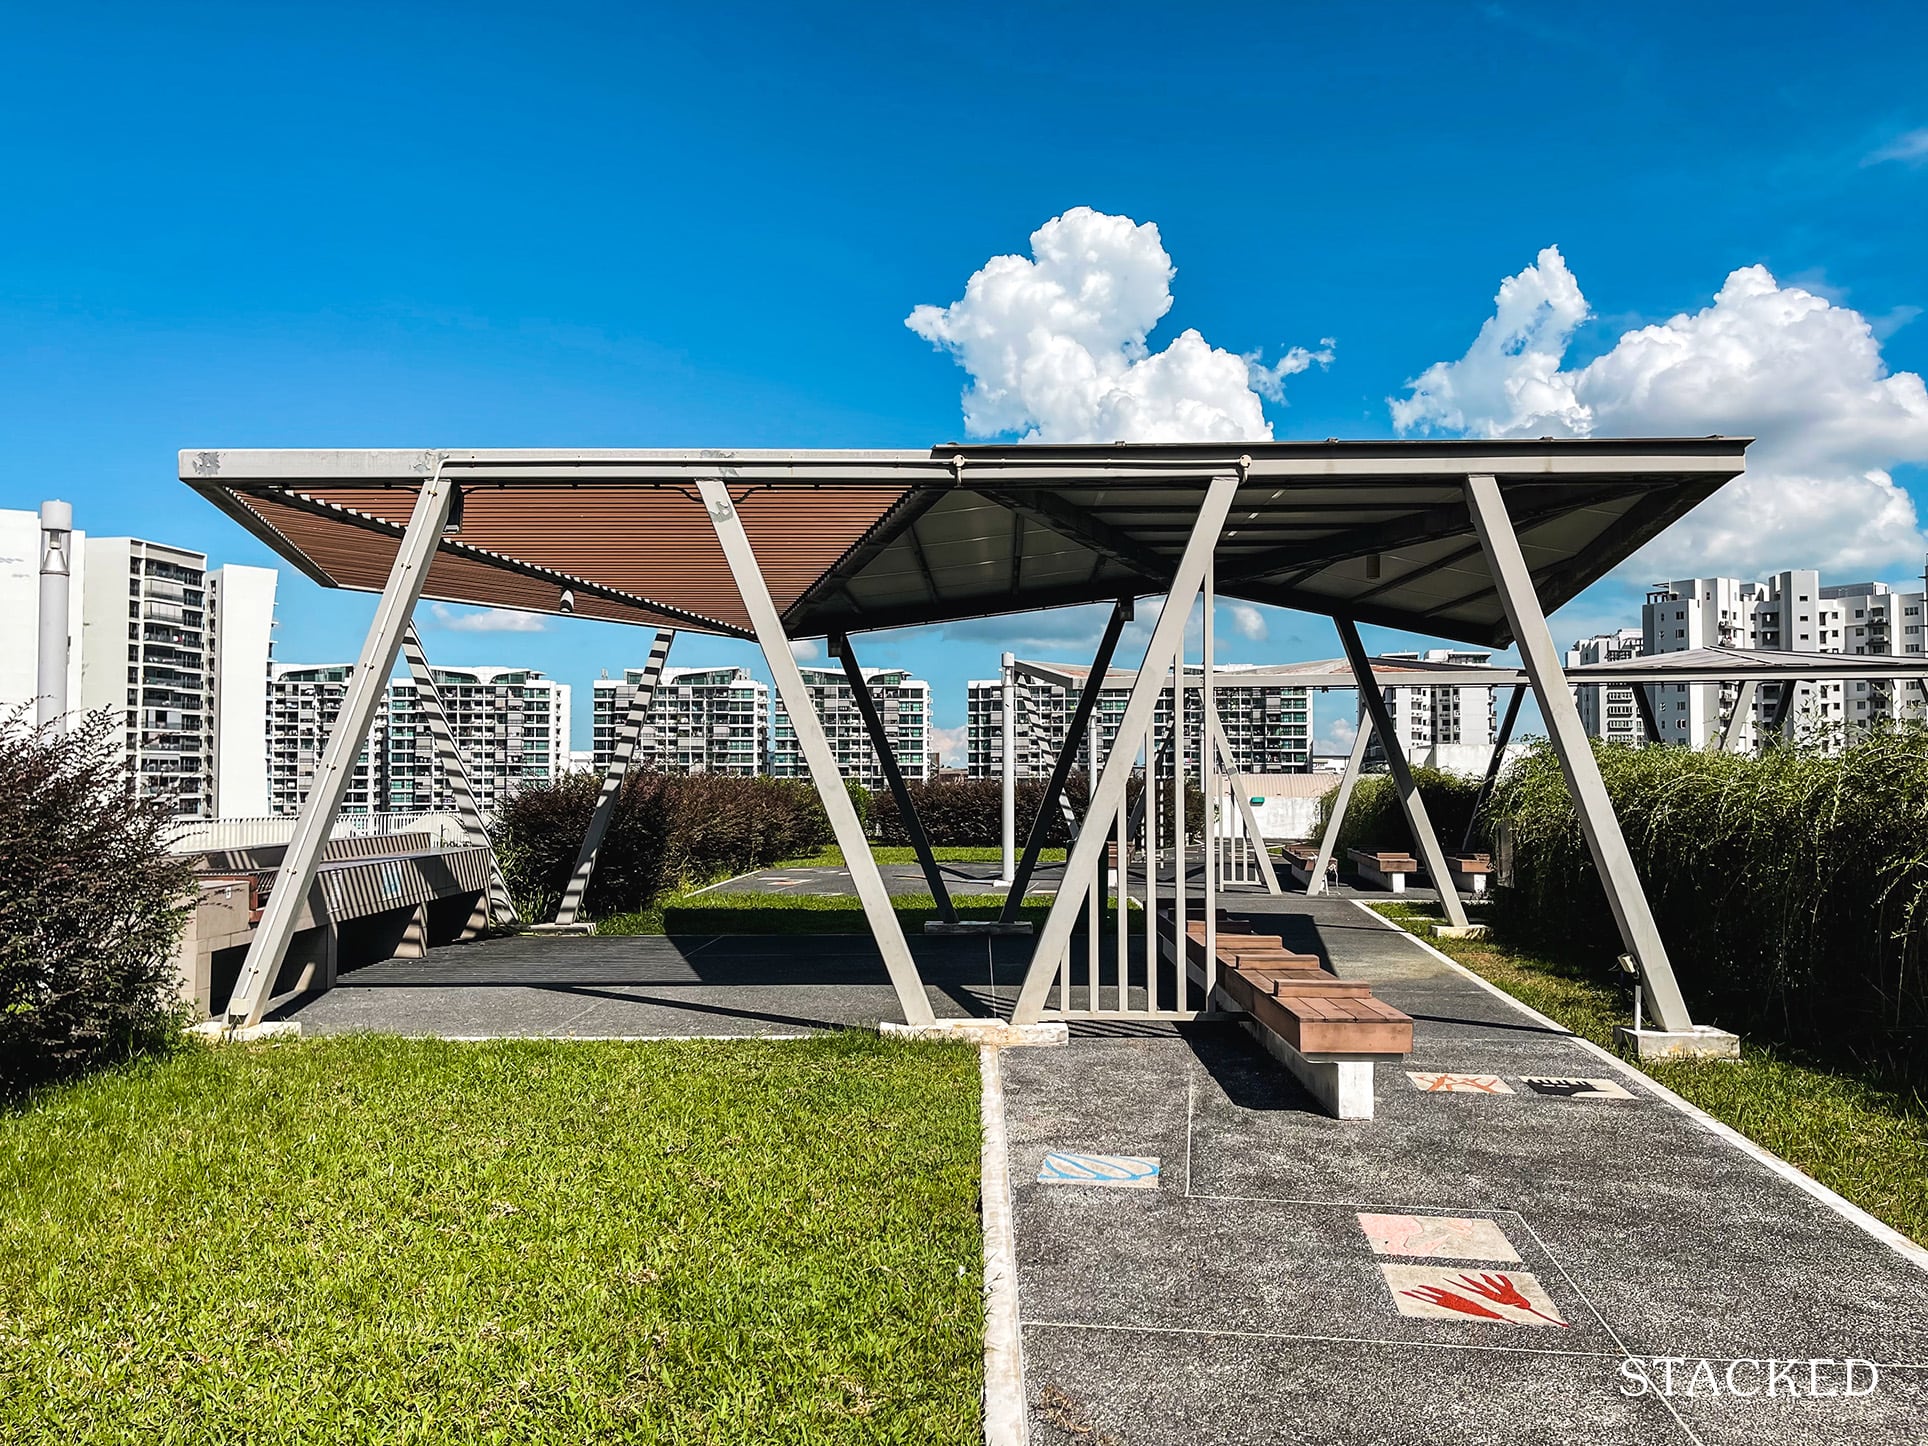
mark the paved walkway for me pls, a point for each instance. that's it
(1243, 1297)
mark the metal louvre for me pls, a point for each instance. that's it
(849, 541)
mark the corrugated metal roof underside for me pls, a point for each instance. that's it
(1377, 532)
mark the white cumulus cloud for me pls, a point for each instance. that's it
(805, 650)
(951, 745)
(487, 620)
(1056, 345)
(1247, 621)
(1801, 373)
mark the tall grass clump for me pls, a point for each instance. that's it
(1374, 819)
(667, 831)
(1791, 890)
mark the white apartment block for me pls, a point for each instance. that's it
(903, 703)
(1791, 612)
(701, 720)
(1267, 723)
(1427, 716)
(181, 653)
(510, 725)
(1608, 710)
(303, 703)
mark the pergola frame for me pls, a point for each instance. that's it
(1079, 524)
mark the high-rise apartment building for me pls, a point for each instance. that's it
(1267, 722)
(1429, 715)
(1608, 710)
(1790, 612)
(510, 725)
(303, 703)
(701, 720)
(903, 703)
(176, 652)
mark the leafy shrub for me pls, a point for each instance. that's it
(1791, 890)
(966, 812)
(91, 905)
(1374, 819)
(668, 830)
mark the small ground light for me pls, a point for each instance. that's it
(1628, 966)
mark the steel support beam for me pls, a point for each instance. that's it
(1507, 720)
(1108, 795)
(1597, 821)
(1329, 840)
(1730, 738)
(1081, 715)
(880, 744)
(1237, 785)
(1643, 700)
(885, 927)
(448, 757)
(1425, 841)
(367, 688)
(635, 719)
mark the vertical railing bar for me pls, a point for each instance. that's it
(1151, 874)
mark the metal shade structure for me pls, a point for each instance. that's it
(1747, 665)
(1472, 541)
(856, 540)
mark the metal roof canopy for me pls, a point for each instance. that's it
(1742, 665)
(849, 541)
(1322, 674)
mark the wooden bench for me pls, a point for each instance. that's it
(1383, 867)
(1328, 1031)
(1300, 862)
(1469, 872)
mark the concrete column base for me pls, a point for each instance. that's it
(1466, 931)
(560, 929)
(218, 1031)
(993, 1032)
(1703, 1041)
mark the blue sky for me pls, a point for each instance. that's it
(428, 225)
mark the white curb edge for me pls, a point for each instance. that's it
(1807, 1184)
(1007, 1421)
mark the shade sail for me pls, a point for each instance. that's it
(854, 540)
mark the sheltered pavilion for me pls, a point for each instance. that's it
(1473, 541)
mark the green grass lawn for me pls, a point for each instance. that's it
(833, 857)
(382, 1240)
(1864, 1140)
(717, 912)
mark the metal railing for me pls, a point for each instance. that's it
(193, 835)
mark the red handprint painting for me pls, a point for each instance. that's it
(1508, 1297)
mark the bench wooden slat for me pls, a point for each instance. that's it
(1326, 1026)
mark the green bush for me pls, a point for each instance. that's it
(668, 831)
(966, 812)
(1374, 819)
(1791, 890)
(91, 906)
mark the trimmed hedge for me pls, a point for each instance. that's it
(668, 830)
(1791, 890)
(91, 906)
(965, 812)
(1374, 819)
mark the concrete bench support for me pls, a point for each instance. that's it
(1384, 870)
(1469, 872)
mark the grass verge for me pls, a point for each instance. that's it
(726, 913)
(1862, 1138)
(832, 857)
(385, 1240)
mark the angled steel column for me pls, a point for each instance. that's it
(497, 903)
(885, 927)
(1644, 701)
(1597, 821)
(1424, 839)
(1329, 841)
(1237, 784)
(1008, 799)
(1081, 715)
(635, 719)
(1108, 795)
(1730, 739)
(1493, 764)
(366, 689)
(894, 777)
